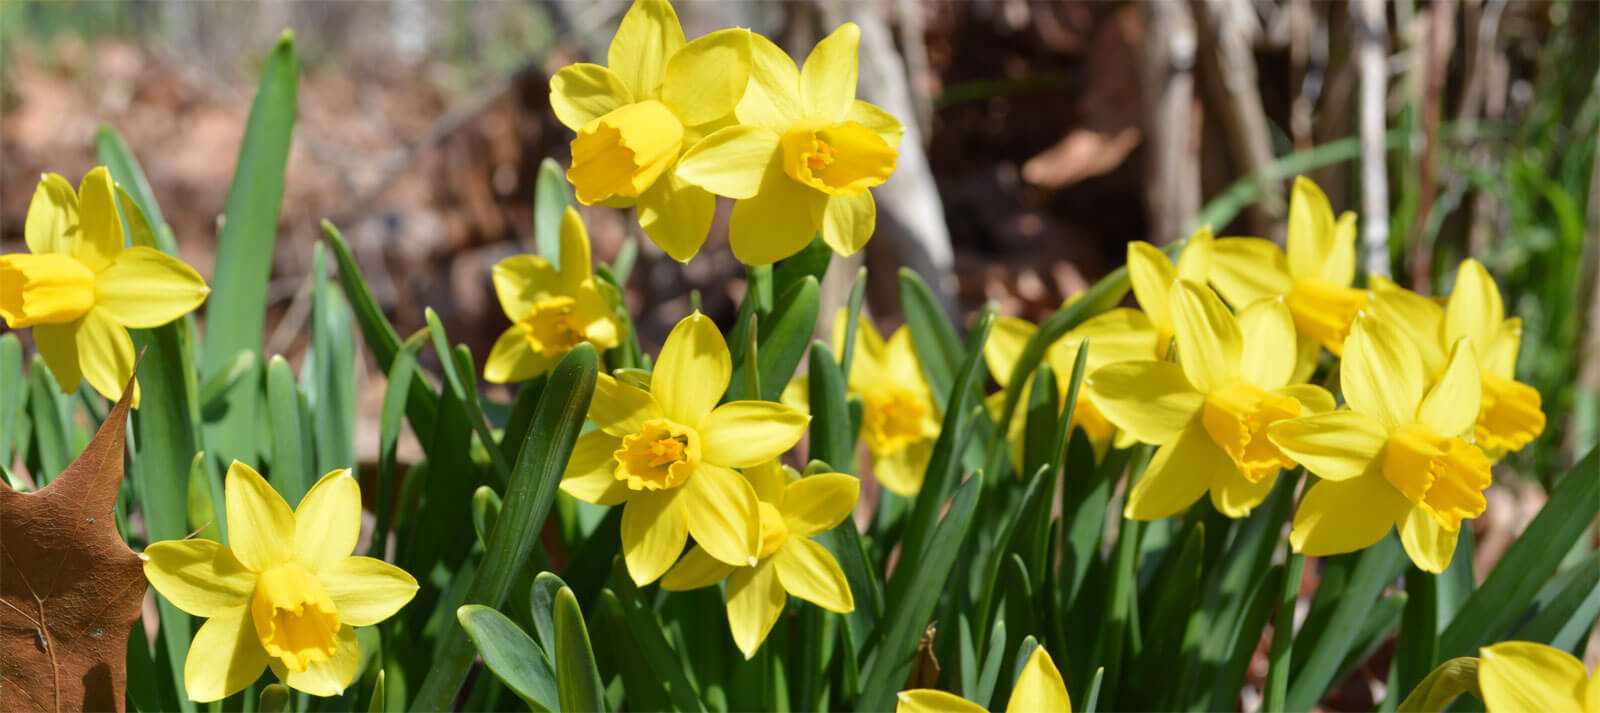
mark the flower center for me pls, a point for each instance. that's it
(773, 531)
(1324, 311)
(660, 456)
(623, 152)
(1444, 476)
(295, 620)
(551, 328)
(1236, 417)
(840, 158)
(891, 418)
(44, 289)
(1510, 416)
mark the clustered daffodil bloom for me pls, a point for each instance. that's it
(656, 97)
(1039, 689)
(668, 454)
(899, 419)
(1209, 412)
(551, 312)
(1313, 279)
(81, 289)
(803, 156)
(1151, 276)
(792, 512)
(1398, 456)
(286, 593)
(1521, 676)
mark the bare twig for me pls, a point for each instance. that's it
(1369, 25)
(1232, 92)
(1172, 193)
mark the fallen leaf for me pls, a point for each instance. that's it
(70, 587)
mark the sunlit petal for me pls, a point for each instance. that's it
(1039, 688)
(1338, 445)
(654, 530)
(260, 524)
(1525, 676)
(1177, 476)
(224, 657)
(327, 522)
(808, 571)
(201, 577)
(828, 79)
(755, 601)
(648, 36)
(1151, 400)
(1209, 342)
(818, 503)
(707, 78)
(144, 287)
(692, 371)
(723, 514)
(366, 590)
(1345, 516)
(740, 434)
(695, 570)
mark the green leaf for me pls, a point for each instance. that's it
(292, 470)
(852, 321)
(1324, 639)
(114, 154)
(576, 677)
(215, 389)
(200, 506)
(511, 655)
(51, 429)
(642, 690)
(666, 665)
(1417, 647)
(937, 342)
(1163, 651)
(989, 675)
(541, 597)
(550, 201)
(375, 704)
(812, 261)
(1279, 662)
(333, 360)
(485, 510)
(464, 386)
(1564, 611)
(1122, 600)
(782, 338)
(274, 699)
(1242, 634)
(396, 392)
(12, 391)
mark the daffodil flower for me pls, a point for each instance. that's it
(1121, 334)
(803, 156)
(1397, 457)
(1152, 275)
(792, 512)
(1039, 689)
(899, 421)
(634, 118)
(1520, 676)
(81, 289)
(667, 455)
(551, 312)
(1313, 278)
(285, 593)
(1210, 412)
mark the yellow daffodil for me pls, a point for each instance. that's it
(899, 421)
(285, 594)
(803, 156)
(634, 118)
(551, 312)
(1521, 676)
(1121, 334)
(1397, 457)
(1313, 278)
(792, 512)
(81, 289)
(1039, 689)
(668, 453)
(1210, 412)
(1152, 276)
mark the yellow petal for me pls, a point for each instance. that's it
(676, 216)
(1313, 399)
(775, 223)
(44, 289)
(847, 223)
(58, 344)
(755, 601)
(144, 287)
(880, 121)
(1525, 676)
(697, 569)
(1006, 339)
(327, 522)
(1381, 374)
(654, 530)
(797, 394)
(1340, 266)
(1428, 544)
(1338, 445)
(1310, 229)
(325, 678)
(1194, 263)
(741, 434)
(1248, 269)
(929, 700)
(591, 471)
(903, 471)
(870, 363)
(52, 224)
(808, 571)
(1039, 689)
(1122, 334)
(902, 366)
(1268, 355)
(818, 503)
(1474, 309)
(723, 514)
(828, 79)
(105, 354)
(1500, 356)
(520, 281)
(772, 101)
(199, 576)
(731, 161)
(769, 480)
(366, 590)
(1151, 400)
(260, 524)
(1234, 495)
(707, 78)
(1209, 343)
(99, 226)
(648, 36)
(693, 370)
(1345, 516)
(621, 409)
(575, 267)
(224, 657)
(1451, 406)
(512, 358)
(1178, 474)
(1152, 276)
(1306, 353)
(583, 92)
(1418, 317)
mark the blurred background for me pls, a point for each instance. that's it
(1043, 135)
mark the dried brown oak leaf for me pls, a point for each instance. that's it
(70, 587)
